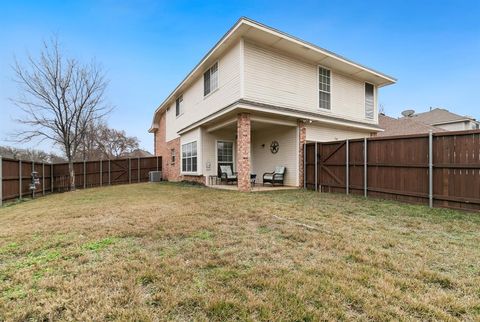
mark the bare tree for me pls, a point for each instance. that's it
(101, 141)
(30, 154)
(59, 98)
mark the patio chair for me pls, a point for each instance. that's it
(227, 175)
(275, 177)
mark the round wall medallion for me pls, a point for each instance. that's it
(274, 147)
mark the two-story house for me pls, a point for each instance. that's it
(255, 98)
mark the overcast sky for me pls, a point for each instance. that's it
(147, 47)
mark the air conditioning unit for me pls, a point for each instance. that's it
(155, 176)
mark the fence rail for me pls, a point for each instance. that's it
(439, 169)
(15, 175)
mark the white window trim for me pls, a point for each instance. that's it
(365, 101)
(218, 79)
(318, 89)
(174, 155)
(233, 154)
(192, 173)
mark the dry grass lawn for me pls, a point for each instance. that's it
(175, 252)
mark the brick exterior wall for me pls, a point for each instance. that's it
(170, 171)
(197, 179)
(302, 139)
(243, 151)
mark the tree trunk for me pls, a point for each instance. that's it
(71, 170)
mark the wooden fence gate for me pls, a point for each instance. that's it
(441, 169)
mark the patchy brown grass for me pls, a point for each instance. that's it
(176, 252)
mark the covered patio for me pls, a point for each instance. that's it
(251, 145)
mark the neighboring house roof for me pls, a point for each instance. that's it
(251, 29)
(403, 126)
(439, 116)
(138, 153)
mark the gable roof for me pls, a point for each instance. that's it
(403, 126)
(439, 116)
(272, 37)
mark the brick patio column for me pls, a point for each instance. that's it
(302, 139)
(243, 151)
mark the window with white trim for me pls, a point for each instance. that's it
(172, 156)
(210, 80)
(179, 105)
(189, 157)
(224, 154)
(369, 101)
(324, 88)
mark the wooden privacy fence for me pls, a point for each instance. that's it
(15, 175)
(440, 169)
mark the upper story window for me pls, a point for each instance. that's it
(210, 80)
(179, 106)
(369, 101)
(324, 88)
(189, 157)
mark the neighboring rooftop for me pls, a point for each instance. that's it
(439, 116)
(403, 126)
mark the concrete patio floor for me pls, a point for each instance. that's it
(256, 188)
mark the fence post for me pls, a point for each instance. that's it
(430, 169)
(33, 170)
(109, 173)
(129, 170)
(304, 166)
(43, 178)
(316, 167)
(347, 166)
(101, 173)
(138, 169)
(20, 179)
(1, 181)
(365, 171)
(84, 174)
(51, 177)
(157, 162)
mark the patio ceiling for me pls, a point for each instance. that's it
(258, 122)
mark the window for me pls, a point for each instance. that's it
(369, 101)
(172, 156)
(324, 88)
(179, 106)
(210, 80)
(224, 154)
(189, 157)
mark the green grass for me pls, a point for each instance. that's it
(178, 252)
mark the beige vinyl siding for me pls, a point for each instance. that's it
(321, 133)
(457, 126)
(196, 106)
(210, 149)
(272, 77)
(265, 161)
